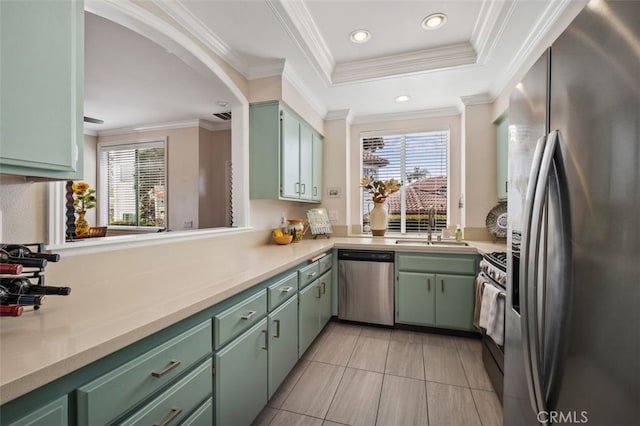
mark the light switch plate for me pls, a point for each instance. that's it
(333, 215)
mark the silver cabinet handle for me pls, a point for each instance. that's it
(286, 289)
(304, 188)
(266, 340)
(173, 364)
(428, 284)
(297, 188)
(175, 412)
(277, 323)
(319, 292)
(442, 286)
(324, 288)
(315, 191)
(249, 315)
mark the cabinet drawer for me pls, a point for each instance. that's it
(282, 290)
(465, 265)
(175, 403)
(52, 414)
(325, 263)
(307, 275)
(112, 394)
(202, 416)
(239, 318)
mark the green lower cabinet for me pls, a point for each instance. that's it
(202, 416)
(172, 405)
(455, 301)
(309, 311)
(416, 298)
(52, 414)
(326, 285)
(241, 377)
(283, 343)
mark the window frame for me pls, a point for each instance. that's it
(403, 133)
(102, 213)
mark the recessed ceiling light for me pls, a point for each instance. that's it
(360, 36)
(434, 21)
(403, 98)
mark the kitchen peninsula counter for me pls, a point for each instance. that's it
(120, 297)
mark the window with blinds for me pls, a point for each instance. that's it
(133, 184)
(420, 162)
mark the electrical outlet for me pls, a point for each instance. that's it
(333, 215)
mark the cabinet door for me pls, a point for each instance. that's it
(502, 137)
(325, 283)
(415, 302)
(52, 414)
(283, 343)
(455, 299)
(241, 377)
(306, 162)
(316, 192)
(290, 155)
(308, 323)
(41, 75)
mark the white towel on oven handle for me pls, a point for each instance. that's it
(495, 327)
(489, 295)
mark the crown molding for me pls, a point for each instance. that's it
(408, 115)
(266, 69)
(299, 24)
(339, 114)
(552, 14)
(491, 23)
(177, 11)
(406, 63)
(294, 79)
(165, 126)
(479, 99)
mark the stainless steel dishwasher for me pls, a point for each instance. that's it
(365, 286)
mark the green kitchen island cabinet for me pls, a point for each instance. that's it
(285, 155)
(241, 384)
(314, 310)
(41, 75)
(52, 414)
(283, 343)
(436, 290)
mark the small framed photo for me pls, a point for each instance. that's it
(333, 192)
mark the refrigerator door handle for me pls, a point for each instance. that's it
(524, 270)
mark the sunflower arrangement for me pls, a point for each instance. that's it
(380, 189)
(84, 197)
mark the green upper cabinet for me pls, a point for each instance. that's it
(41, 79)
(502, 149)
(285, 155)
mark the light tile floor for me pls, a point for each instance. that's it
(358, 375)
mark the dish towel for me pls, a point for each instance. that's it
(480, 282)
(489, 295)
(495, 328)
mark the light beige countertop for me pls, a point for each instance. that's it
(122, 296)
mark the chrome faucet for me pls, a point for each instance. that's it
(431, 222)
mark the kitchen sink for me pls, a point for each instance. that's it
(434, 243)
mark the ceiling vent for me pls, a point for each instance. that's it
(224, 115)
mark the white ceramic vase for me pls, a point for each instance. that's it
(378, 218)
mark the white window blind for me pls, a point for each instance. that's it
(133, 181)
(420, 162)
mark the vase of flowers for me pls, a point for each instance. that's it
(84, 198)
(379, 191)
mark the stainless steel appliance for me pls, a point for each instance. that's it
(493, 271)
(572, 349)
(365, 286)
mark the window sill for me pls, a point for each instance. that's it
(104, 244)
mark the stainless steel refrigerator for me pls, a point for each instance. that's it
(573, 294)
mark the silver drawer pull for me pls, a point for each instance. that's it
(173, 364)
(175, 412)
(313, 274)
(249, 315)
(286, 289)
